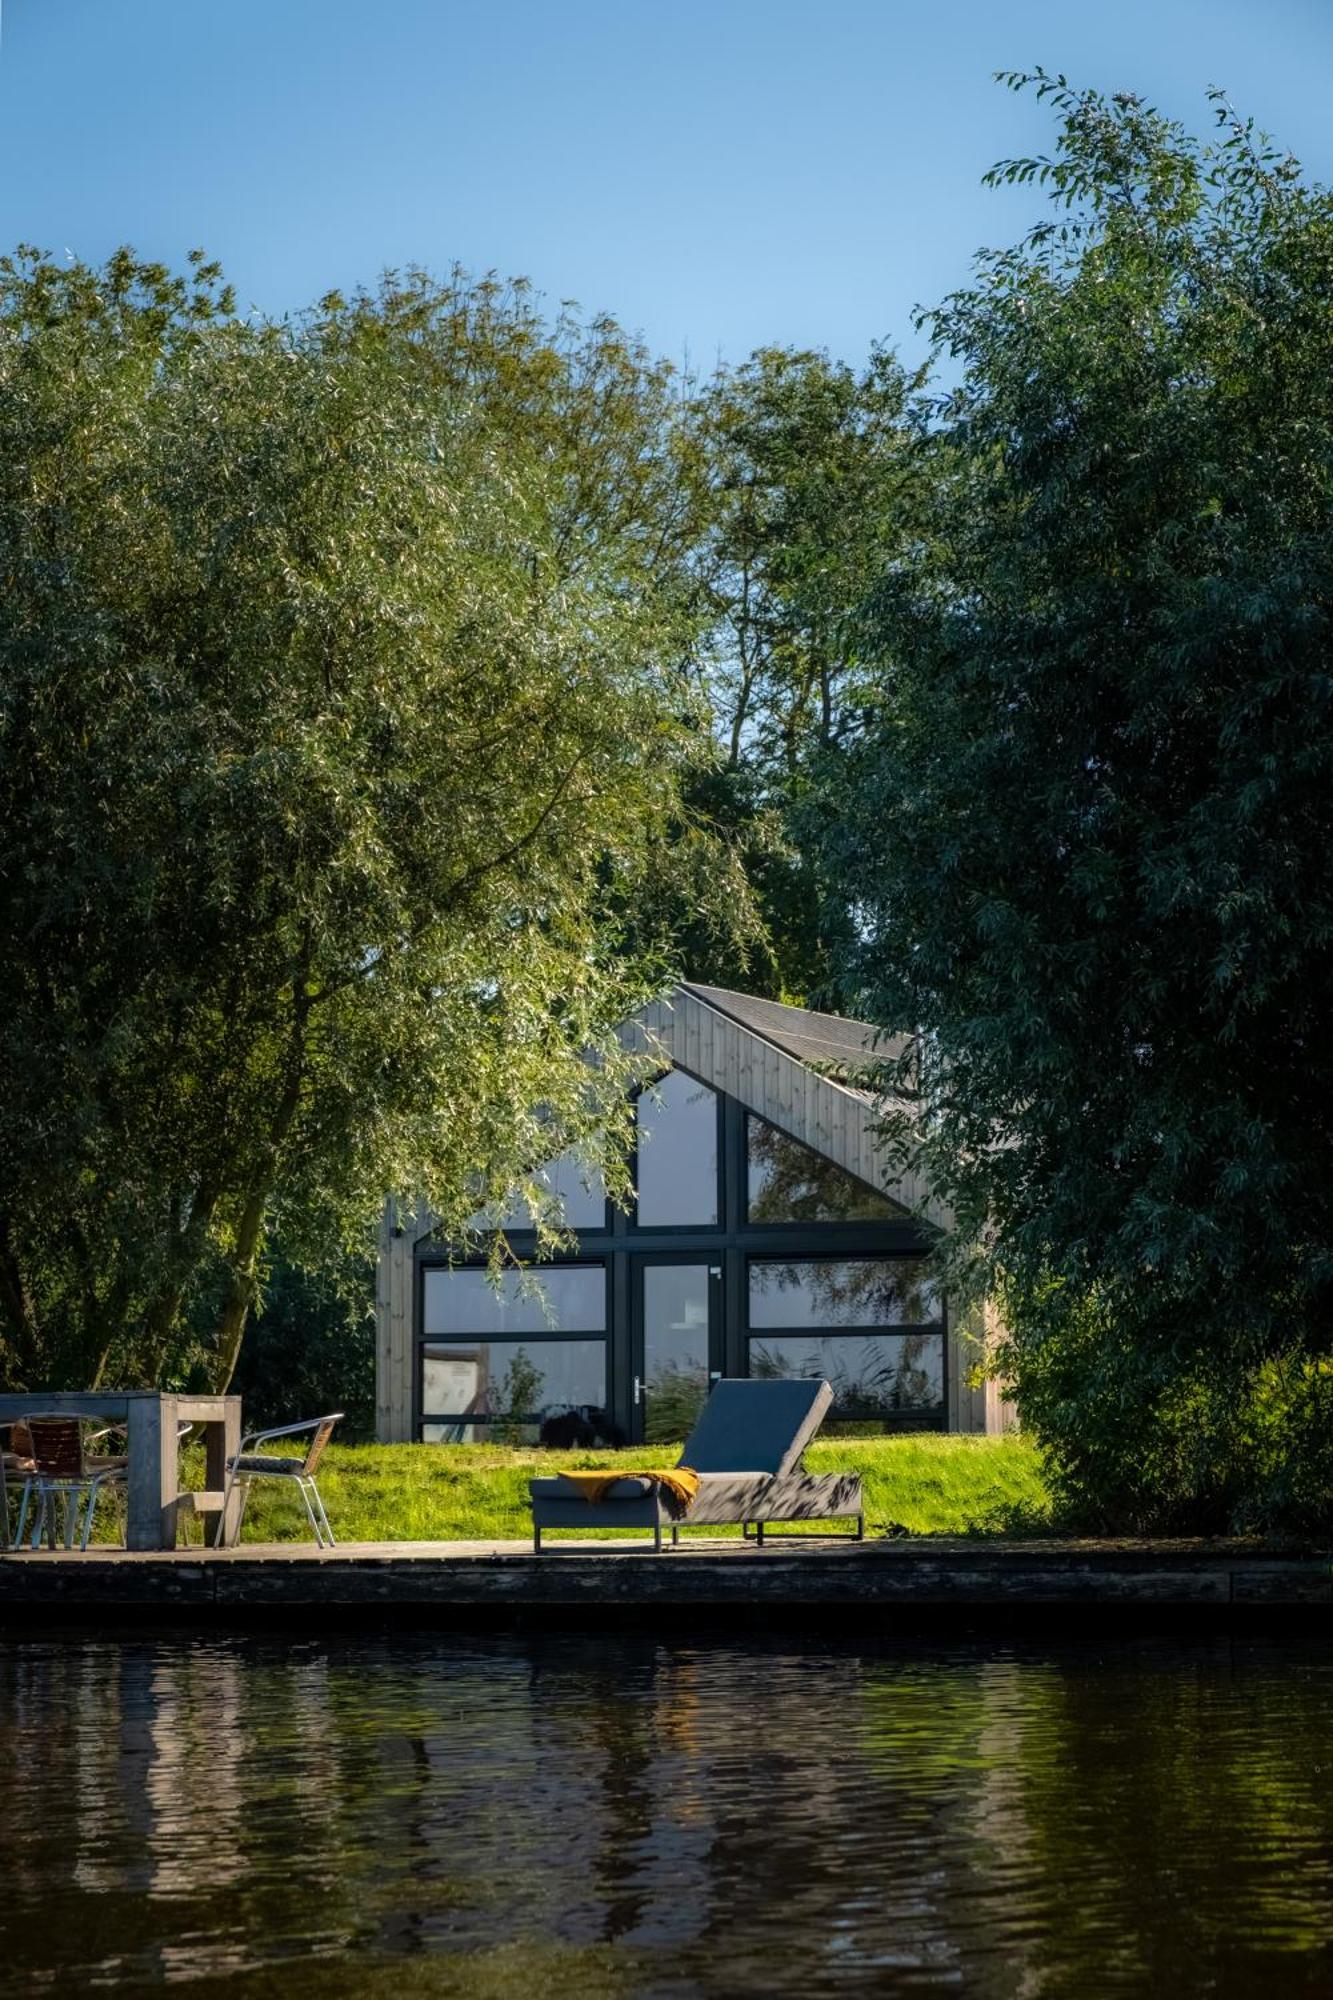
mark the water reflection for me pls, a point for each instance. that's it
(628, 1818)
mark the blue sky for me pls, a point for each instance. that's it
(718, 173)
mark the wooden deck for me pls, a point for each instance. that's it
(890, 1584)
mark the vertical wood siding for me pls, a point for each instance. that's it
(836, 1121)
(394, 1345)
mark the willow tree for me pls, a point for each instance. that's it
(339, 701)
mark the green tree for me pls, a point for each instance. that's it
(518, 1395)
(799, 472)
(309, 1346)
(341, 695)
(1087, 832)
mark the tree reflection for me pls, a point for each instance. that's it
(790, 1182)
(871, 1377)
(841, 1292)
(642, 1816)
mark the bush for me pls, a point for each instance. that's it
(1141, 1437)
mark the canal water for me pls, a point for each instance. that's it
(565, 1819)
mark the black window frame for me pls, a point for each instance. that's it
(543, 1335)
(732, 1243)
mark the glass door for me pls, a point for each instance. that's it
(677, 1346)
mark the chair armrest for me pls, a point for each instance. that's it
(253, 1438)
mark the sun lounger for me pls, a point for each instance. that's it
(747, 1448)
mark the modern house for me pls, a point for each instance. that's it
(765, 1240)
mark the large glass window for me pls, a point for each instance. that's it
(508, 1391)
(790, 1182)
(873, 1376)
(879, 1376)
(840, 1291)
(677, 1156)
(553, 1298)
(508, 1362)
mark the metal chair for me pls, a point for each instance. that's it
(65, 1480)
(251, 1463)
(105, 1469)
(16, 1462)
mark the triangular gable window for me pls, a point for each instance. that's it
(790, 1182)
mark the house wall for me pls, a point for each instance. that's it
(840, 1123)
(977, 1402)
(977, 1407)
(395, 1323)
(836, 1122)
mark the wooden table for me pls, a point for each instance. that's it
(152, 1477)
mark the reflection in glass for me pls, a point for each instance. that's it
(564, 1298)
(575, 1191)
(677, 1136)
(872, 1375)
(475, 1390)
(789, 1182)
(845, 1291)
(675, 1348)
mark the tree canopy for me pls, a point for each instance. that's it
(1086, 833)
(341, 692)
(805, 475)
(389, 697)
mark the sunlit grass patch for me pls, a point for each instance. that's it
(389, 1493)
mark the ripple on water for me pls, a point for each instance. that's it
(402, 1814)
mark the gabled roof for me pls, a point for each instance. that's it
(827, 1041)
(775, 1062)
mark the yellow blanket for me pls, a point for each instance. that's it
(678, 1483)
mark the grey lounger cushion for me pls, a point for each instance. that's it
(746, 1448)
(723, 1497)
(748, 1426)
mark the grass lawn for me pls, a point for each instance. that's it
(386, 1493)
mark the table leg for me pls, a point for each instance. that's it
(221, 1442)
(153, 1475)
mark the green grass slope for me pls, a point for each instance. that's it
(929, 1485)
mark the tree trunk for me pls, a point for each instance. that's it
(182, 1263)
(241, 1290)
(244, 1260)
(17, 1302)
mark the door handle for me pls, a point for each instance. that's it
(638, 1389)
